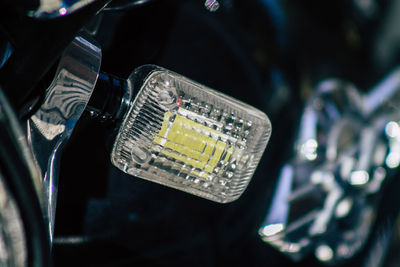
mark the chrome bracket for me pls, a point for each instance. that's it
(50, 128)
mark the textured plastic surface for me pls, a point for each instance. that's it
(183, 135)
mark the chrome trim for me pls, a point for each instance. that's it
(327, 194)
(58, 8)
(49, 129)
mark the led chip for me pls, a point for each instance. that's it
(186, 136)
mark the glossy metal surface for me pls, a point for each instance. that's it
(211, 5)
(327, 195)
(58, 8)
(51, 126)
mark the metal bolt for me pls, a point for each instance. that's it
(211, 5)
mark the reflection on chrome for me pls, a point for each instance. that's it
(63, 11)
(343, 208)
(50, 127)
(359, 177)
(272, 229)
(392, 129)
(309, 149)
(347, 146)
(324, 253)
(57, 8)
(393, 160)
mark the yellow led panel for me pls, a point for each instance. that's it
(191, 143)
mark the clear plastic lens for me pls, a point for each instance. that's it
(181, 134)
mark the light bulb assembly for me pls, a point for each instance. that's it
(181, 134)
